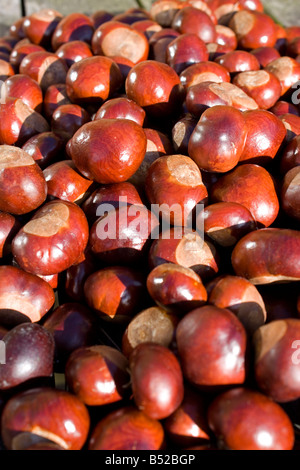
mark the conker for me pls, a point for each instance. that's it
(211, 345)
(158, 101)
(241, 297)
(174, 183)
(97, 375)
(115, 293)
(45, 414)
(127, 429)
(244, 419)
(73, 326)
(22, 185)
(83, 78)
(73, 27)
(24, 294)
(210, 145)
(29, 354)
(253, 187)
(152, 325)
(175, 288)
(65, 182)
(226, 222)
(100, 153)
(53, 239)
(114, 38)
(156, 380)
(276, 347)
(270, 246)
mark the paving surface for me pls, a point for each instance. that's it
(287, 12)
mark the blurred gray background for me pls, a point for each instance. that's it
(287, 12)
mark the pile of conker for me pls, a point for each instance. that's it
(128, 328)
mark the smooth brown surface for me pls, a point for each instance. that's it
(123, 236)
(121, 108)
(97, 375)
(22, 184)
(158, 144)
(163, 97)
(23, 293)
(18, 122)
(83, 78)
(127, 429)
(115, 293)
(74, 26)
(55, 96)
(195, 21)
(211, 344)
(59, 230)
(73, 326)
(253, 187)
(290, 193)
(291, 155)
(203, 72)
(21, 50)
(226, 222)
(40, 26)
(110, 196)
(253, 29)
(29, 354)
(44, 67)
(45, 148)
(241, 297)
(185, 51)
(24, 87)
(73, 51)
(188, 425)
(244, 419)
(265, 55)
(238, 61)
(157, 382)
(175, 288)
(9, 226)
(109, 109)
(210, 144)
(100, 154)
(47, 413)
(261, 149)
(270, 246)
(65, 182)
(176, 182)
(67, 119)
